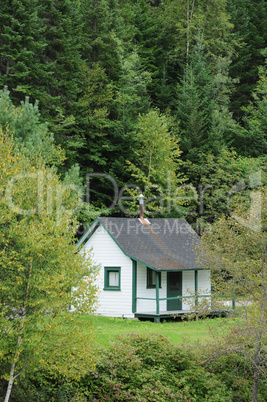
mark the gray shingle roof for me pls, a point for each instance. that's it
(164, 244)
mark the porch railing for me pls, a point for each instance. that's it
(158, 300)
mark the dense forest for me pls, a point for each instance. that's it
(167, 97)
(101, 100)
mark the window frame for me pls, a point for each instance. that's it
(149, 285)
(107, 286)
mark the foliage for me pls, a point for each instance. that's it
(235, 251)
(148, 367)
(39, 267)
(30, 134)
(155, 167)
(222, 181)
(255, 121)
(249, 21)
(190, 21)
(89, 69)
(94, 66)
(133, 96)
(224, 356)
(20, 43)
(202, 106)
(152, 369)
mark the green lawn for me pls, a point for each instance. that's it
(107, 328)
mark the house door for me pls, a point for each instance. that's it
(174, 289)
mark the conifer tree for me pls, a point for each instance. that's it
(99, 22)
(202, 107)
(61, 54)
(250, 27)
(21, 43)
(252, 139)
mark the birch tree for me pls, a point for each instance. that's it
(38, 268)
(236, 252)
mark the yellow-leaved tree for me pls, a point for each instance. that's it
(41, 273)
(235, 249)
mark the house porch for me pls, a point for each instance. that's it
(152, 315)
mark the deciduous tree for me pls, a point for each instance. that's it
(155, 166)
(39, 266)
(235, 250)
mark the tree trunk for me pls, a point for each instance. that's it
(257, 362)
(12, 370)
(189, 16)
(257, 345)
(256, 374)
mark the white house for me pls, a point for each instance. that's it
(148, 267)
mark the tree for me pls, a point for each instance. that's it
(133, 94)
(253, 140)
(235, 249)
(31, 135)
(190, 21)
(202, 106)
(21, 43)
(155, 167)
(249, 21)
(99, 23)
(39, 267)
(94, 120)
(220, 179)
(62, 57)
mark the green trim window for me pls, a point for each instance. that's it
(151, 278)
(112, 278)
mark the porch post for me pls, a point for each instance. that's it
(134, 279)
(157, 292)
(196, 287)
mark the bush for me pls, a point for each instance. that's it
(235, 371)
(150, 368)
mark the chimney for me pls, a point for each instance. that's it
(141, 206)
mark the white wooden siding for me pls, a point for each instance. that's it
(144, 306)
(108, 254)
(113, 303)
(188, 287)
(204, 286)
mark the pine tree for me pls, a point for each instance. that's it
(21, 43)
(252, 139)
(99, 22)
(249, 19)
(202, 107)
(31, 135)
(62, 56)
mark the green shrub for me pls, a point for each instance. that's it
(235, 371)
(150, 368)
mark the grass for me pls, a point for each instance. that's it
(202, 331)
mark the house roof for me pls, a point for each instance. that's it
(162, 244)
